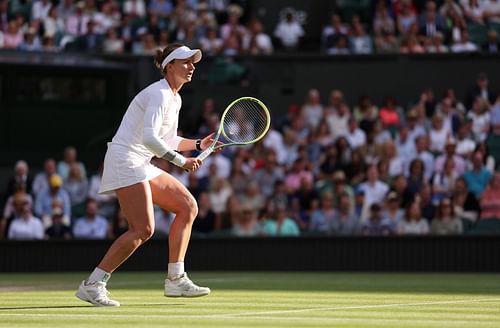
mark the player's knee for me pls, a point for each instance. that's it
(145, 233)
(192, 208)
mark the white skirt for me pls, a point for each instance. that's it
(124, 167)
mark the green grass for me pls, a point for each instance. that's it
(259, 300)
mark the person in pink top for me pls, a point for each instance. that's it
(490, 199)
(12, 38)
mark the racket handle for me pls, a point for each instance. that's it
(205, 153)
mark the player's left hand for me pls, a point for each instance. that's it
(208, 140)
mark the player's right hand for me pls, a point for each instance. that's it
(192, 164)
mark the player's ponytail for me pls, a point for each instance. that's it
(161, 54)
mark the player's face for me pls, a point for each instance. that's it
(183, 69)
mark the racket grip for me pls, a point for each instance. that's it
(205, 153)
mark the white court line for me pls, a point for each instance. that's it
(242, 315)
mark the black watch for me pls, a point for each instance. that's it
(198, 145)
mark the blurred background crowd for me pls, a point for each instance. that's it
(231, 27)
(327, 167)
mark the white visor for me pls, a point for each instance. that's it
(182, 53)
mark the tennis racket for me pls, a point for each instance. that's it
(245, 121)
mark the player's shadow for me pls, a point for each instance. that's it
(80, 306)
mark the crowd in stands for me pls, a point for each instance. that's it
(327, 167)
(224, 27)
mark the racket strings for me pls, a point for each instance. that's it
(245, 121)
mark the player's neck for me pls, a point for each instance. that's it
(174, 84)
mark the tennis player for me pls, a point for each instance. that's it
(149, 128)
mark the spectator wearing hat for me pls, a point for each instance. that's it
(58, 229)
(478, 177)
(25, 226)
(91, 225)
(43, 203)
(445, 221)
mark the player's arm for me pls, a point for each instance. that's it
(197, 144)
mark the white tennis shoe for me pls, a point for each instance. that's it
(184, 287)
(95, 293)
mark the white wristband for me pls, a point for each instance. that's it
(175, 158)
(179, 160)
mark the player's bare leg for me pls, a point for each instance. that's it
(171, 195)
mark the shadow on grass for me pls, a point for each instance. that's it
(81, 306)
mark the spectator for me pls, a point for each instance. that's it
(338, 118)
(390, 153)
(481, 119)
(76, 22)
(44, 201)
(443, 183)
(416, 176)
(410, 45)
(430, 21)
(449, 152)
(332, 32)
(473, 11)
(289, 31)
(69, 157)
(211, 44)
(374, 189)
(492, 45)
(12, 37)
(389, 114)
(490, 199)
(464, 44)
(392, 213)
(267, 176)
(406, 17)
(413, 223)
(482, 89)
(91, 225)
(375, 225)
(246, 224)
(119, 225)
(91, 41)
(404, 145)
(58, 230)
(112, 43)
(346, 222)
(205, 220)
(252, 198)
(465, 141)
(435, 44)
(20, 189)
(136, 9)
(77, 187)
(323, 219)
(465, 204)
(360, 42)
(280, 224)
(495, 117)
(31, 41)
(40, 9)
(25, 226)
(220, 191)
(445, 222)
(491, 11)
(479, 177)
(21, 176)
(13, 209)
(312, 110)
(438, 134)
(256, 42)
(355, 136)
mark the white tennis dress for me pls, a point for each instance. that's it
(148, 128)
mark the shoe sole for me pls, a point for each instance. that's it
(84, 296)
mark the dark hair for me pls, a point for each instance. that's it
(161, 54)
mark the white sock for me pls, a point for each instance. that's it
(175, 269)
(99, 275)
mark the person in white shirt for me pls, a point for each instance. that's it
(26, 226)
(149, 128)
(312, 110)
(374, 189)
(289, 31)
